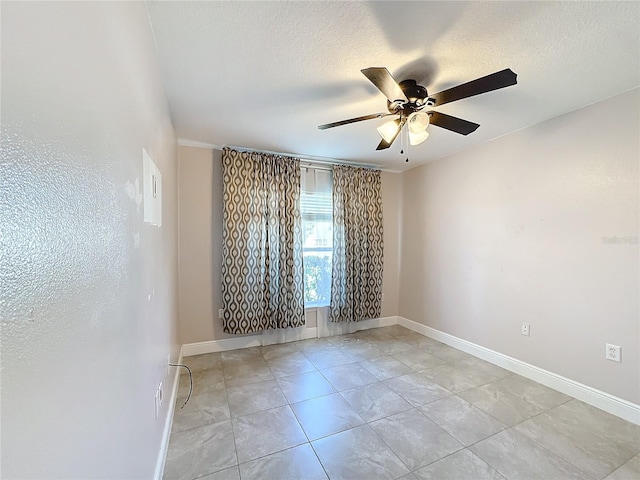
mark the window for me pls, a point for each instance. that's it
(317, 226)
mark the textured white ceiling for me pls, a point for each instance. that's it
(264, 75)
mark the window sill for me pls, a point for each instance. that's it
(313, 308)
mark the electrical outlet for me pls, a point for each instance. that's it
(221, 313)
(613, 353)
(525, 329)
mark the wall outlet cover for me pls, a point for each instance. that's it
(613, 353)
(525, 329)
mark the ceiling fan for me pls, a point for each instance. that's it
(407, 100)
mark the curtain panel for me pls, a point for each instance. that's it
(262, 269)
(356, 279)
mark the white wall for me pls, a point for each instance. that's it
(89, 295)
(519, 230)
(200, 234)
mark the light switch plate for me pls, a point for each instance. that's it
(152, 190)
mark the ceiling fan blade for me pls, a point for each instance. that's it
(455, 124)
(383, 80)
(353, 120)
(504, 78)
(383, 143)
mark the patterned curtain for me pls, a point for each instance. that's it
(356, 281)
(262, 276)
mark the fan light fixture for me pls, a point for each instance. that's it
(388, 130)
(417, 125)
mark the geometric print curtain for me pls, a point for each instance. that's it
(357, 267)
(262, 270)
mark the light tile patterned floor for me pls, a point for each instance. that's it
(385, 403)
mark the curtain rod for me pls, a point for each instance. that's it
(308, 160)
(305, 160)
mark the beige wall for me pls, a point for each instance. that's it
(392, 219)
(200, 239)
(200, 232)
(88, 291)
(517, 230)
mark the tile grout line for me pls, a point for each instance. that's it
(233, 429)
(277, 451)
(512, 427)
(319, 461)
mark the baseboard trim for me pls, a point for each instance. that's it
(168, 423)
(599, 399)
(225, 344)
(222, 345)
(378, 322)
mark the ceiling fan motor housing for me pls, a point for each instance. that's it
(416, 94)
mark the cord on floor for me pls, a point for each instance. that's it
(190, 381)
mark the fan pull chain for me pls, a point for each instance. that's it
(404, 138)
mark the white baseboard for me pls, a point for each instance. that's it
(224, 344)
(599, 399)
(168, 422)
(378, 322)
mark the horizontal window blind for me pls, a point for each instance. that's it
(316, 205)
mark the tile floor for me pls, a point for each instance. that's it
(385, 403)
